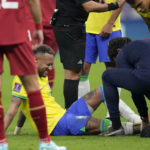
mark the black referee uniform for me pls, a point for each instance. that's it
(69, 28)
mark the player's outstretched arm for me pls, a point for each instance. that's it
(15, 103)
(92, 6)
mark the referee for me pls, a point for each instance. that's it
(68, 20)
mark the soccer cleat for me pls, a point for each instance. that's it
(51, 146)
(4, 146)
(113, 132)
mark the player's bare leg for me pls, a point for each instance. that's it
(93, 98)
(96, 126)
(93, 126)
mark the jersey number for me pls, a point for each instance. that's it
(9, 5)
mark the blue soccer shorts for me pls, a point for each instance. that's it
(96, 46)
(74, 120)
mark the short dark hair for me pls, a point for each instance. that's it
(130, 1)
(115, 44)
(44, 49)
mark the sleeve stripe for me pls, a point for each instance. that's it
(19, 96)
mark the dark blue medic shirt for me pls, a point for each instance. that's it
(136, 56)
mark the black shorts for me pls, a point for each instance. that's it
(71, 42)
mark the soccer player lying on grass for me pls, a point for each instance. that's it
(77, 120)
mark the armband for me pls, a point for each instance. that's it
(113, 6)
(38, 26)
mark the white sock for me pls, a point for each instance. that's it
(119, 91)
(84, 86)
(127, 113)
(128, 128)
(17, 130)
(107, 115)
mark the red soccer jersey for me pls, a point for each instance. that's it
(48, 7)
(12, 22)
(28, 14)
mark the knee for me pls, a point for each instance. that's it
(72, 75)
(106, 75)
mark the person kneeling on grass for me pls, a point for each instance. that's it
(77, 120)
(132, 73)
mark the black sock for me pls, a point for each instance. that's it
(70, 91)
(21, 119)
(116, 123)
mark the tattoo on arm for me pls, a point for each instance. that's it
(16, 100)
(90, 95)
(9, 114)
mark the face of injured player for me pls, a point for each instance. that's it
(141, 5)
(44, 63)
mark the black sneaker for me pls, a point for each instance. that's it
(113, 132)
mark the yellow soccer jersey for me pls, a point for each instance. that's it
(145, 15)
(96, 21)
(53, 110)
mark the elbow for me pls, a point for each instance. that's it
(88, 9)
(89, 6)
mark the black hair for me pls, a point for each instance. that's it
(130, 1)
(44, 49)
(115, 44)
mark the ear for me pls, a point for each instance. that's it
(36, 59)
(118, 50)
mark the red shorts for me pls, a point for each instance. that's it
(20, 57)
(49, 38)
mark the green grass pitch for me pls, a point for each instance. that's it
(29, 140)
